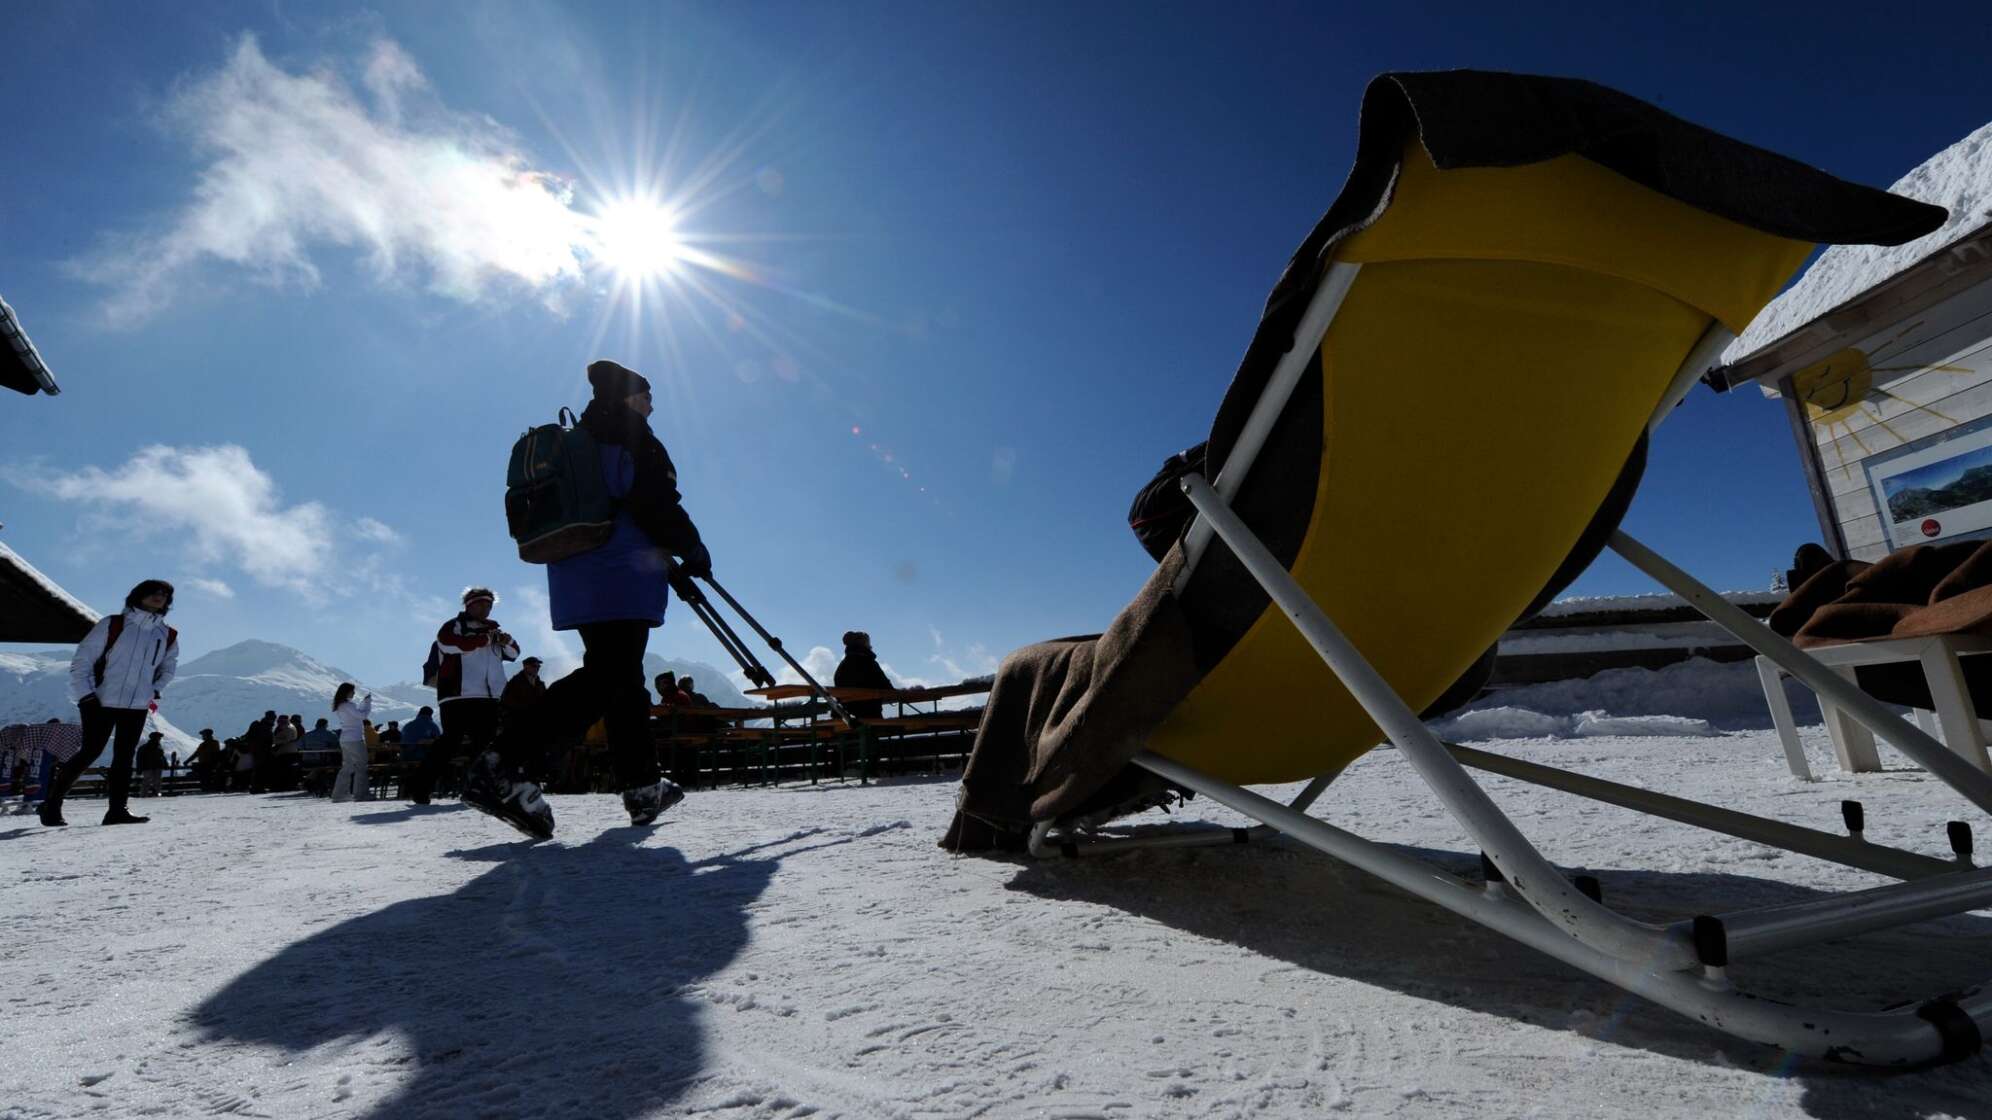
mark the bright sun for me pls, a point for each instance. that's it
(638, 239)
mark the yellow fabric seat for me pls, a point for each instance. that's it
(1509, 335)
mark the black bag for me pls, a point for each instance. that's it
(556, 502)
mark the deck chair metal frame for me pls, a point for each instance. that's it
(1683, 965)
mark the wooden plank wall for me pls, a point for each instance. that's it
(1930, 374)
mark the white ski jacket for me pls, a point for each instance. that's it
(473, 661)
(353, 716)
(137, 668)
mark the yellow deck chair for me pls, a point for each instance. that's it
(1438, 424)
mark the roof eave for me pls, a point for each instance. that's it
(1958, 266)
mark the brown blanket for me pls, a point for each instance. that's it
(1913, 592)
(1065, 716)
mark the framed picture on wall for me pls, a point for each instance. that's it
(1937, 488)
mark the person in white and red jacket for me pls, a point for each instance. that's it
(470, 679)
(119, 669)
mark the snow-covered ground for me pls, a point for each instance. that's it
(801, 951)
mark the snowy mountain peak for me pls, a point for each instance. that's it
(254, 659)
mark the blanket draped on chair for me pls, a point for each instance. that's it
(1915, 592)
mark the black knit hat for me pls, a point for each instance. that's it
(614, 382)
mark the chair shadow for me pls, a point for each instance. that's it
(553, 984)
(1282, 901)
(408, 813)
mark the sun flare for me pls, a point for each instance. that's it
(637, 238)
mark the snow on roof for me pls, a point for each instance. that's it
(21, 365)
(1959, 178)
(1659, 601)
(37, 609)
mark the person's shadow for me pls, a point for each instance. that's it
(408, 813)
(554, 983)
(1282, 901)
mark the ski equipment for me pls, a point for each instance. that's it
(775, 644)
(691, 596)
(517, 803)
(646, 803)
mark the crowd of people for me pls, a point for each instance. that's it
(612, 594)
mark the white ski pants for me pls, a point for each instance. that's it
(351, 784)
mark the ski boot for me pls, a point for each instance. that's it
(517, 803)
(647, 803)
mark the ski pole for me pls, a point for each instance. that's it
(775, 644)
(688, 592)
(749, 664)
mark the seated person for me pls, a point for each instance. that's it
(416, 737)
(860, 669)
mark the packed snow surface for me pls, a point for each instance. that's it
(794, 951)
(1959, 178)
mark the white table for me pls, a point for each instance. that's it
(1853, 744)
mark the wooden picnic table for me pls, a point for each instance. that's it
(666, 711)
(899, 696)
(796, 725)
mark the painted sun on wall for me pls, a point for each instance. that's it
(1841, 390)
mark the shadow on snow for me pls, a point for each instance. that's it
(553, 982)
(1284, 902)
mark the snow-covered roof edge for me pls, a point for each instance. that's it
(19, 563)
(1959, 178)
(1657, 601)
(25, 354)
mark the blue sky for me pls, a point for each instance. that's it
(960, 276)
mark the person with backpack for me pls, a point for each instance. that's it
(470, 652)
(610, 585)
(351, 784)
(118, 670)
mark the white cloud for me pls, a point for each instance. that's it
(975, 661)
(369, 529)
(821, 662)
(214, 501)
(213, 587)
(298, 163)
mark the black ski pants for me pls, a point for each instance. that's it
(608, 686)
(469, 724)
(100, 725)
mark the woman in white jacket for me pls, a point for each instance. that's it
(119, 669)
(351, 784)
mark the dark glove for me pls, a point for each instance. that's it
(697, 562)
(89, 701)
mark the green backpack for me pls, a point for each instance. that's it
(556, 502)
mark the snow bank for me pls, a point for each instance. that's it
(1589, 724)
(1506, 722)
(1697, 697)
(1959, 178)
(1503, 722)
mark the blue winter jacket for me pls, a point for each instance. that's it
(624, 579)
